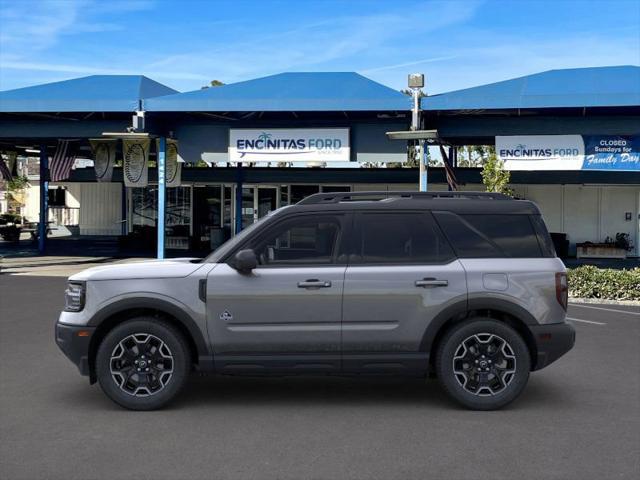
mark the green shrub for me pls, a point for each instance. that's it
(588, 281)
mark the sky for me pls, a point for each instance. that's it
(185, 44)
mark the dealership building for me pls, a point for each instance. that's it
(229, 155)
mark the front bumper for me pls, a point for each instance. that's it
(552, 341)
(74, 342)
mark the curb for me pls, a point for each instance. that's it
(602, 301)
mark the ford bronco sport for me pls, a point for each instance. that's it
(463, 286)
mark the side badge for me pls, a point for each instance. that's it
(226, 316)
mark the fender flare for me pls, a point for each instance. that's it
(463, 307)
(160, 305)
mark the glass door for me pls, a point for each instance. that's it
(257, 201)
(267, 200)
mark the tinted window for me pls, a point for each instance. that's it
(544, 239)
(300, 241)
(482, 236)
(400, 238)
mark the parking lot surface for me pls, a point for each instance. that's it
(579, 418)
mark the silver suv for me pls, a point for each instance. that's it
(462, 286)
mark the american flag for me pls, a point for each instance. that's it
(62, 160)
(5, 173)
(452, 181)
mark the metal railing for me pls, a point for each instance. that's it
(64, 215)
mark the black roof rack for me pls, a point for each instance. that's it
(377, 196)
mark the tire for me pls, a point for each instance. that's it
(483, 364)
(143, 363)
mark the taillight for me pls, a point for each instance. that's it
(562, 289)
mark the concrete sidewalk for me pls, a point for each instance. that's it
(56, 266)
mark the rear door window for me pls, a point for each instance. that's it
(487, 236)
(399, 238)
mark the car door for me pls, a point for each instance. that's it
(402, 273)
(286, 314)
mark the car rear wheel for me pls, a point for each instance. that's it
(484, 364)
(143, 363)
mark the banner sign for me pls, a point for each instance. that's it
(569, 152)
(541, 152)
(289, 145)
(610, 152)
(173, 166)
(136, 162)
(104, 157)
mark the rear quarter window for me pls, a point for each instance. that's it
(490, 235)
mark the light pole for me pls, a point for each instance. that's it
(416, 83)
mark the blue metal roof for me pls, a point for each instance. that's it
(577, 87)
(96, 93)
(298, 92)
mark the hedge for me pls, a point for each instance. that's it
(588, 281)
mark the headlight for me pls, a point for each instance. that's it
(74, 297)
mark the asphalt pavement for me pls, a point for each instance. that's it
(578, 418)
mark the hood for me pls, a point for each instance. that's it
(173, 268)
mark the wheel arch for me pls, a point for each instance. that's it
(121, 311)
(502, 310)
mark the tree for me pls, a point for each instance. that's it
(15, 194)
(213, 83)
(495, 177)
(474, 155)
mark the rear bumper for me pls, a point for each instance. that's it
(75, 346)
(552, 341)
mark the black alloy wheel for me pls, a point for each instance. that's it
(143, 363)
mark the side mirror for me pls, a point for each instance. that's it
(245, 261)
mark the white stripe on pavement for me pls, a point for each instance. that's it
(603, 308)
(584, 321)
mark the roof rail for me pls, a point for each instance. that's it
(377, 196)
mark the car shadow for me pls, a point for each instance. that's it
(325, 390)
(222, 391)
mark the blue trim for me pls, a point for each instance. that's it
(162, 191)
(44, 199)
(423, 175)
(239, 172)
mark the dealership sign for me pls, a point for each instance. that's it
(611, 153)
(541, 152)
(569, 152)
(289, 145)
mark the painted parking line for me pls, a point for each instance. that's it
(582, 305)
(584, 321)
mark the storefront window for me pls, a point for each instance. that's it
(335, 188)
(298, 192)
(144, 208)
(178, 219)
(144, 215)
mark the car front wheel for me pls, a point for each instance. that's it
(143, 363)
(484, 364)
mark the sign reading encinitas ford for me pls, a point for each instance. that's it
(541, 152)
(569, 152)
(289, 145)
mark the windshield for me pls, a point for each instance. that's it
(224, 249)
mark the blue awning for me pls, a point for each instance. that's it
(577, 87)
(96, 93)
(288, 92)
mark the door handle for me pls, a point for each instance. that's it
(431, 283)
(314, 283)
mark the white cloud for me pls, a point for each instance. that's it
(408, 64)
